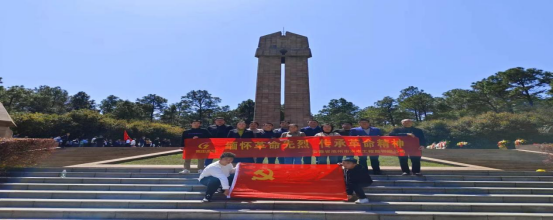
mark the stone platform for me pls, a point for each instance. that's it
(162, 193)
(514, 160)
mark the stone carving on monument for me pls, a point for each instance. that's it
(5, 123)
(292, 50)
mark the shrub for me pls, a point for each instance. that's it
(24, 152)
(484, 131)
(89, 123)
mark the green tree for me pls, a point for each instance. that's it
(492, 92)
(153, 103)
(128, 110)
(81, 100)
(387, 108)
(458, 103)
(202, 103)
(49, 100)
(231, 116)
(416, 101)
(245, 110)
(374, 114)
(338, 111)
(108, 105)
(171, 115)
(16, 98)
(526, 83)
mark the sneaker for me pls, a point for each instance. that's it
(185, 171)
(406, 174)
(200, 170)
(362, 201)
(418, 174)
(220, 190)
(205, 200)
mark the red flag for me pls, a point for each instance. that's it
(285, 181)
(303, 146)
(126, 136)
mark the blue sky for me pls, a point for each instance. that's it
(362, 50)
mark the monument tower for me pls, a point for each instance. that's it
(292, 50)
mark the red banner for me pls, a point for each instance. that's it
(302, 146)
(282, 181)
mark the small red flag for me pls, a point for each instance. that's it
(126, 136)
(285, 181)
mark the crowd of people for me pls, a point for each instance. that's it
(253, 130)
(218, 176)
(99, 141)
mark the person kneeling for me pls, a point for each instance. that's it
(218, 174)
(357, 177)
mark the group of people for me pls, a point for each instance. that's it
(218, 176)
(99, 141)
(221, 130)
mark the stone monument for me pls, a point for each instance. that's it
(5, 123)
(292, 50)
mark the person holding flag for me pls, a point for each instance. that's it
(356, 177)
(365, 129)
(218, 174)
(194, 133)
(409, 130)
(127, 139)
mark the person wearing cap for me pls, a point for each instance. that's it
(365, 129)
(409, 130)
(357, 177)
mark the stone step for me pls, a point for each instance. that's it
(195, 186)
(189, 195)
(429, 183)
(72, 213)
(102, 174)
(283, 205)
(375, 177)
(380, 197)
(176, 170)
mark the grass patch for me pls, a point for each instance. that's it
(176, 159)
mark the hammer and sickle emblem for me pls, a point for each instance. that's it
(261, 175)
(204, 145)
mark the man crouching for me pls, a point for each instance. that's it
(218, 174)
(357, 177)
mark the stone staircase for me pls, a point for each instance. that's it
(157, 193)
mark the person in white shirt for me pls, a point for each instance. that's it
(218, 174)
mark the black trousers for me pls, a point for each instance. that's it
(213, 183)
(358, 189)
(404, 163)
(375, 163)
(271, 160)
(307, 160)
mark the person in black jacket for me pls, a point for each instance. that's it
(346, 128)
(193, 133)
(218, 130)
(268, 132)
(409, 130)
(284, 126)
(356, 177)
(241, 132)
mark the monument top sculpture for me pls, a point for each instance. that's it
(292, 50)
